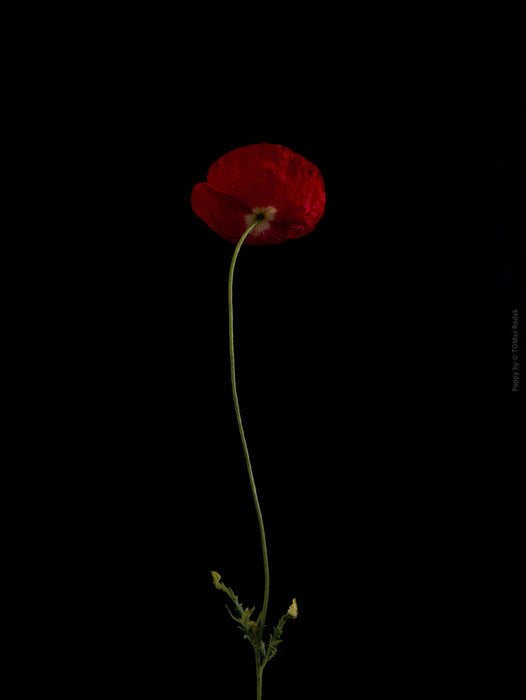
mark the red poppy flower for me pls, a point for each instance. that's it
(263, 180)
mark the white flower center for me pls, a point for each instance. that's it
(268, 214)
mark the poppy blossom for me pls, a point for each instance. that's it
(261, 181)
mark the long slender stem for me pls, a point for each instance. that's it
(244, 442)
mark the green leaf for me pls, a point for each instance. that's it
(245, 624)
(275, 638)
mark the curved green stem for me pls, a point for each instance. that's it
(241, 432)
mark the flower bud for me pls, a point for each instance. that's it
(293, 609)
(217, 578)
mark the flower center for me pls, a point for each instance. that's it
(264, 214)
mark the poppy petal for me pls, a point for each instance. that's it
(223, 213)
(264, 174)
(250, 174)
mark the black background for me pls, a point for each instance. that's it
(374, 370)
(373, 361)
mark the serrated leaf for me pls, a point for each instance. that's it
(242, 616)
(245, 616)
